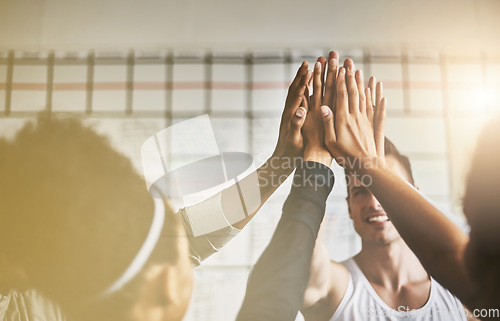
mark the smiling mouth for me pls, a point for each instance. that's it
(377, 219)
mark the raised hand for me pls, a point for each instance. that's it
(323, 94)
(290, 142)
(354, 135)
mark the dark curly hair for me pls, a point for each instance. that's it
(74, 214)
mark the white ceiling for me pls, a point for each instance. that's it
(71, 24)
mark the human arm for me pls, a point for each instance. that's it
(215, 221)
(438, 243)
(356, 138)
(289, 147)
(278, 280)
(328, 280)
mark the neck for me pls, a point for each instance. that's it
(390, 265)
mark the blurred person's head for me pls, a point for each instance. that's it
(482, 209)
(75, 213)
(369, 218)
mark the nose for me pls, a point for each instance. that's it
(374, 204)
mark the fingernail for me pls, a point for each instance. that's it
(360, 74)
(318, 65)
(342, 71)
(325, 111)
(351, 67)
(300, 112)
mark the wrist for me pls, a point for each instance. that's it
(318, 155)
(282, 164)
(275, 171)
(365, 165)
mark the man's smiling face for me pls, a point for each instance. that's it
(369, 218)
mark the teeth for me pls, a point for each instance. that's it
(381, 218)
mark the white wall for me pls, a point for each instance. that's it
(70, 24)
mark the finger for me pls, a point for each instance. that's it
(317, 85)
(297, 122)
(369, 104)
(361, 90)
(310, 85)
(348, 63)
(328, 123)
(330, 79)
(302, 88)
(295, 96)
(323, 61)
(292, 97)
(379, 95)
(352, 90)
(341, 98)
(307, 96)
(305, 102)
(336, 73)
(379, 126)
(300, 72)
(371, 85)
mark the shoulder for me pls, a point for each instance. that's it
(443, 297)
(340, 270)
(340, 276)
(32, 303)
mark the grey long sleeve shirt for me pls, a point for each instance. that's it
(276, 286)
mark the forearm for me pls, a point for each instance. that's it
(277, 283)
(212, 223)
(437, 242)
(319, 276)
(215, 221)
(269, 177)
(318, 283)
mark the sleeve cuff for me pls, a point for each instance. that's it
(312, 183)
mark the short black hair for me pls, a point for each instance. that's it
(391, 150)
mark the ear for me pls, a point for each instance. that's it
(166, 293)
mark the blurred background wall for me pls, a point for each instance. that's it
(132, 68)
(63, 24)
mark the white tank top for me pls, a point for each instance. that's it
(362, 303)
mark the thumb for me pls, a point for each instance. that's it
(297, 122)
(328, 123)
